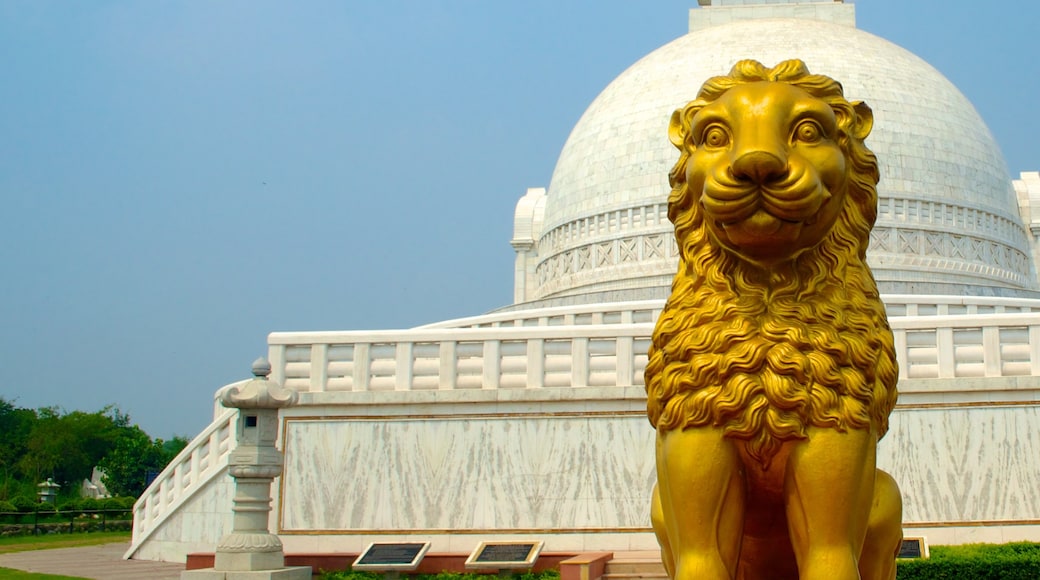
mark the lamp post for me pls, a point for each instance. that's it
(251, 551)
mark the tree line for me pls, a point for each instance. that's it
(37, 444)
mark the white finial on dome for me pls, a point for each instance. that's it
(719, 12)
(753, 2)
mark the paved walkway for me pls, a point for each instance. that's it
(102, 562)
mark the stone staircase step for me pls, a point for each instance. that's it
(634, 569)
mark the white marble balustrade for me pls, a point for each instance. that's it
(991, 345)
(637, 311)
(202, 459)
(463, 358)
(939, 347)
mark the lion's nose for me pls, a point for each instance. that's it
(759, 167)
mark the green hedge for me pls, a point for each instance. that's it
(1018, 561)
(359, 575)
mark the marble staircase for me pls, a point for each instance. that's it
(641, 565)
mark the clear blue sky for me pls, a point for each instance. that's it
(181, 178)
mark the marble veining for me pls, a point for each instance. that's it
(573, 472)
(520, 473)
(965, 464)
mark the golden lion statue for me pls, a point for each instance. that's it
(772, 370)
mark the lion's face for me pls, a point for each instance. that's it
(767, 169)
(774, 322)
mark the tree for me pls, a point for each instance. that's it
(48, 442)
(15, 426)
(68, 446)
(127, 466)
(44, 447)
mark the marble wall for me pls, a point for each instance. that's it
(978, 463)
(577, 472)
(560, 472)
(566, 472)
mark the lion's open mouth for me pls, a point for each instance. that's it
(761, 230)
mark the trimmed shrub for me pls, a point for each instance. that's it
(1017, 561)
(24, 504)
(117, 503)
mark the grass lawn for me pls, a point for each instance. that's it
(25, 543)
(8, 574)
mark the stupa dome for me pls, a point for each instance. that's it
(948, 217)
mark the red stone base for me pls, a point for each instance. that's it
(572, 566)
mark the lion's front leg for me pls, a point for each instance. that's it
(659, 522)
(701, 488)
(829, 489)
(884, 531)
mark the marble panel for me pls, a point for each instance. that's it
(559, 472)
(966, 464)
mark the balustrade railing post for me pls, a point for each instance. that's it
(163, 492)
(362, 362)
(195, 467)
(947, 360)
(178, 478)
(492, 364)
(579, 362)
(319, 367)
(404, 355)
(535, 363)
(991, 355)
(448, 371)
(899, 340)
(1034, 350)
(625, 361)
(214, 451)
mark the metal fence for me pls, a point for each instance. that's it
(39, 522)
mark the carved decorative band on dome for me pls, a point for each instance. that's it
(941, 250)
(941, 214)
(953, 252)
(604, 224)
(607, 254)
(972, 254)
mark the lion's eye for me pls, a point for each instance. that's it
(808, 132)
(714, 137)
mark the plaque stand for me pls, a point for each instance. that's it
(505, 557)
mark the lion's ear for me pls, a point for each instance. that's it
(864, 120)
(676, 130)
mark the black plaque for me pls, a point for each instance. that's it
(913, 548)
(392, 556)
(504, 555)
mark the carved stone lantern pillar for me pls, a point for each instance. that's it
(250, 550)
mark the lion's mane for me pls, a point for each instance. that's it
(763, 353)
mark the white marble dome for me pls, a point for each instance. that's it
(948, 219)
